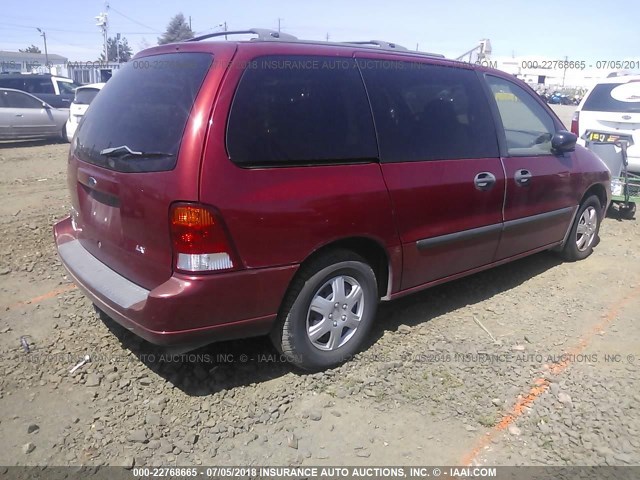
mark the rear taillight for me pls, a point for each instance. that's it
(200, 242)
(574, 123)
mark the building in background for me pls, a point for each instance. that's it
(91, 72)
(546, 73)
(21, 62)
(80, 72)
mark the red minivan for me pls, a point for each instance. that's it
(280, 187)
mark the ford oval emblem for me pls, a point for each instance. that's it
(626, 117)
(92, 182)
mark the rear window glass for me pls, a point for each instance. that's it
(614, 97)
(300, 110)
(84, 96)
(145, 108)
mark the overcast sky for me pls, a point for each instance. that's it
(582, 30)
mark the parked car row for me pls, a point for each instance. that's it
(26, 116)
(559, 98)
(289, 192)
(57, 91)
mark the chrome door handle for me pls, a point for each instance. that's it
(484, 181)
(19, 115)
(523, 177)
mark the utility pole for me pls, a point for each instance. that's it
(564, 74)
(189, 22)
(46, 53)
(327, 37)
(118, 47)
(103, 24)
(279, 24)
(222, 25)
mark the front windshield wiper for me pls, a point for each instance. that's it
(124, 151)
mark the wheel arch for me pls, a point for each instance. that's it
(599, 191)
(368, 248)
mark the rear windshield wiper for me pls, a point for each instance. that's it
(123, 151)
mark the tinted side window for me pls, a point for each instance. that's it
(527, 125)
(39, 85)
(300, 110)
(12, 83)
(20, 100)
(428, 112)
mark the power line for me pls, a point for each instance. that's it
(48, 28)
(133, 20)
(63, 42)
(16, 25)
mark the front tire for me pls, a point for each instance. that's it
(328, 311)
(584, 231)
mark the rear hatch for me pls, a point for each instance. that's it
(128, 162)
(613, 108)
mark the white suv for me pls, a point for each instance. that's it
(84, 95)
(610, 111)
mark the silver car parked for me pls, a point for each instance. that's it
(23, 117)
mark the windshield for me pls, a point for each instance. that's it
(614, 97)
(145, 107)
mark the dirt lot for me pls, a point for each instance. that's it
(432, 387)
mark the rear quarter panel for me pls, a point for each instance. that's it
(279, 216)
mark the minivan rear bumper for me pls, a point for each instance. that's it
(184, 311)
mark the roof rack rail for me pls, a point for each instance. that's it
(429, 54)
(262, 33)
(393, 46)
(379, 43)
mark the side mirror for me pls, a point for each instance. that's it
(563, 141)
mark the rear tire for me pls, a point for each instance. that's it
(584, 231)
(328, 311)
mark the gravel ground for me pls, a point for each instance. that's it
(470, 371)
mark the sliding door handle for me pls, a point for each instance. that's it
(484, 181)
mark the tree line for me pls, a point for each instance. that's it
(118, 49)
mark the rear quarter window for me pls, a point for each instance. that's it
(40, 85)
(614, 97)
(146, 108)
(300, 110)
(12, 83)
